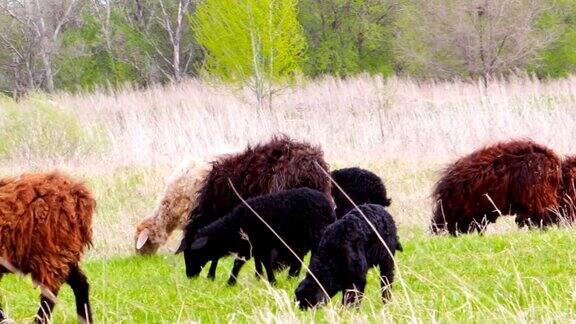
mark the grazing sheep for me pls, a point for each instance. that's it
(172, 212)
(348, 248)
(298, 216)
(517, 177)
(362, 186)
(280, 164)
(568, 192)
(45, 224)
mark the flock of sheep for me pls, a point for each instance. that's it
(276, 202)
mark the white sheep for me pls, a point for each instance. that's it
(179, 199)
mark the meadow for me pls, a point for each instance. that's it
(124, 143)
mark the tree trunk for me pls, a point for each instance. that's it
(177, 37)
(16, 77)
(47, 62)
(45, 55)
(176, 62)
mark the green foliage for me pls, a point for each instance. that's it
(263, 43)
(252, 39)
(38, 129)
(348, 37)
(94, 65)
(559, 58)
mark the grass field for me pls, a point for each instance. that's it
(526, 276)
(124, 144)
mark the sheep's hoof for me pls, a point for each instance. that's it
(294, 274)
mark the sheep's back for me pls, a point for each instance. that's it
(298, 215)
(280, 164)
(521, 174)
(45, 224)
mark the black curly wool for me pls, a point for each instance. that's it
(348, 248)
(362, 186)
(298, 216)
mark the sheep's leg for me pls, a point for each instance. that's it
(464, 227)
(386, 278)
(353, 293)
(45, 310)
(238, 263)
(452, 228)
(294, 270)
(543, 220)
(258, 266)
(212, 271)
(522, 220)
(267, 261)
(79, 284)
(2, 317)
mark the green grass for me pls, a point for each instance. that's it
(506, 275)
(520, 276)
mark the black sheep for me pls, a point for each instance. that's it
(279, 164)
(298, 216)
(362, 186)
(348, 248)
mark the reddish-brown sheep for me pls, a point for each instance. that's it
(280, 164)
(45, 224)
(517, 177)
(568, 192)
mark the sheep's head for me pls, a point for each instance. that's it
(309, 293)
(145, 245)
(197, 254)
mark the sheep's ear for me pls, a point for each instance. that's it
(142, 238)
(199, 243)
(399, 246)
(182, 247)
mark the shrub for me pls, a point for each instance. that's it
(36, 128)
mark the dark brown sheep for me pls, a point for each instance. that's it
(517, 177)
(568, 192)
(45, 224)
(280, 164)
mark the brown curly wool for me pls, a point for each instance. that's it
(179, 199)
(279, 164)
(516, 177)
(568, 192)
(45, 224)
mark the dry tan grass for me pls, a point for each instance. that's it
(401, 129)
(356, 119)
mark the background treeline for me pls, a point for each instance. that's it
(82, 44)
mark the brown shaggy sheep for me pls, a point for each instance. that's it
(568, 193)
(180, 197)
(172, 212)
(45, 224)
(517, 177)
(280, 164)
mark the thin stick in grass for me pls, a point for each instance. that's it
(404, 290)
(279, 237)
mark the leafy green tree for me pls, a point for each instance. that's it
(87, 62)
(559, 58)
(348, 36)
(156, 38)
(258, 43)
